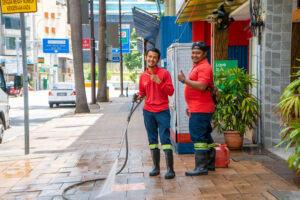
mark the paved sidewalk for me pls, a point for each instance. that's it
(79, 147)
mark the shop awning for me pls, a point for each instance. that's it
(197, 10)
(146, 25)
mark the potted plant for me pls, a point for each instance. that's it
(237, 109)
(288, 111)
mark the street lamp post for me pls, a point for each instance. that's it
(120, 46)
(92, 47)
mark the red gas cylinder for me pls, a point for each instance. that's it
(222, 155)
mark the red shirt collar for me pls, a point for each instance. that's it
(154, 71)
(201, 62)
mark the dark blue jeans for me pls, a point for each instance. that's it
(158, 123)
(200, 131)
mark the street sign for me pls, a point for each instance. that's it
(115, 59)
(86, 44)
(125, 48)
(125, 33)
(41, 59)
(20, 6)
(56, 46)
(115, 50)
(125, 40)
(125, 36)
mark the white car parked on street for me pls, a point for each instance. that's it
(62, 93)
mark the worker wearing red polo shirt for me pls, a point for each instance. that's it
(156, 84)
(200, 109)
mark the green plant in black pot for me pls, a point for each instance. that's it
(288, 111)
(237, 109)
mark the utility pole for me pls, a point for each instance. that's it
(92, 47)
(120, 46)
(25, 84)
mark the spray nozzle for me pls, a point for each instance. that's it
(134, 97)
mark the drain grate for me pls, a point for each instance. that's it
(51, 151)
(285, 195)
(256, 158)
(42, 138)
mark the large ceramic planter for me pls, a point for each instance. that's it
(233, 140)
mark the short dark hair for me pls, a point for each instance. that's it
(153, 50)
(200, 45)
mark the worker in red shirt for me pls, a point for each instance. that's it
(156, 85)
(200, 109)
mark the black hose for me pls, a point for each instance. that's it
(124, 138)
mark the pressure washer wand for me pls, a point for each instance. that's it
(125, 136)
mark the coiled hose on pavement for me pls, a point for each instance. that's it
(124, 138)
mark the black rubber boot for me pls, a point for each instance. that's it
(211, 159)
(170, 165)
(155, 153)
(201, 160)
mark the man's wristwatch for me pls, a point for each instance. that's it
(182, 80)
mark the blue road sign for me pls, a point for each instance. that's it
(115, 50)
(126, 48)
(115, 59)
(125, 40)
(56, 46)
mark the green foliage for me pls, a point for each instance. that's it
(133, 60)
(88, 71)
(288, 111)
(133, 76)
(237, 109)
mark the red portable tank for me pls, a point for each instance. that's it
(222, 155)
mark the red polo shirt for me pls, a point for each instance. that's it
(200, 101)
(157, 94)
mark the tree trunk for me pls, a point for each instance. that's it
(102, 92)
(76, 37)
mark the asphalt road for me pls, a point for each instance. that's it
(39, 111)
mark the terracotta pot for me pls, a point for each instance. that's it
(233, 140)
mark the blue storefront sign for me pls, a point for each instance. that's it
(56, 46)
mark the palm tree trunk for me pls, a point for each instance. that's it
(76, 37)
(101, 94)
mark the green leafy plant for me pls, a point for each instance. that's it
(133, 76)
(133, 60)
(288, 111)
(237, 109)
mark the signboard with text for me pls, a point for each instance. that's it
(56, 46)
(115, 50)
(125, 33)
(41, 59)
(225, 64)
(18, 6)
(115, 59)
(86, 44)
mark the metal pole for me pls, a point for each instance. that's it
(18, 56)
(121, 55)
(145, 51)
(259, 95)
(25, 84)
(92, 47)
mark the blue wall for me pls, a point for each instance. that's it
(172, 33)
(239, 53)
